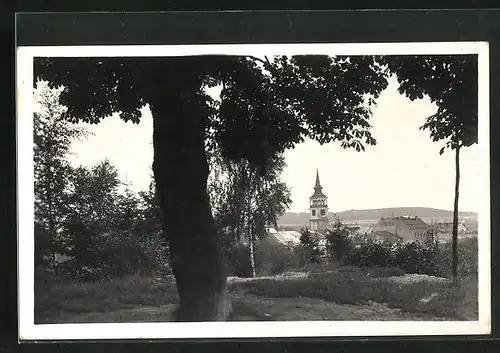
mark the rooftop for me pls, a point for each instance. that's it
(318, 188)
(410, 221)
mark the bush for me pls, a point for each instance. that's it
(272, 258)
(77, 273)
(43, 278)
(43, 246)
(370, 253)
(415, 258)
(338, 243)
(310, 244)
(410, 257)
(467, 258)
(119, 254)
(238, 261)
(303, 255)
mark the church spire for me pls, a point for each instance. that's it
(318, 184)
(318, 188)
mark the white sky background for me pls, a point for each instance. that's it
(403, 169)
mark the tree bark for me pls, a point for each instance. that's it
(252, 253)
(52, 235)
(181, 171)
(455, 216)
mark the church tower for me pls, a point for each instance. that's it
(318, 207)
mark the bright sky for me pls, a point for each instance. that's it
(403, 169)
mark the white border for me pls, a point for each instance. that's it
(29, 331)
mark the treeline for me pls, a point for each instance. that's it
(343, 246)
(100, 231)
(86, 215)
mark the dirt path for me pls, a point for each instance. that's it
(298, 309)
(255, 308)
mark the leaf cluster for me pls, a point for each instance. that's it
(451, 82)
(265, 106)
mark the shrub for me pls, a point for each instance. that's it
(311, 245)
(43, 278)
(77, 273)
(415, 258)
(119, 254)
(272, 257)
(370, 253)
(410, 257)
(238, 260)
(303, 255)
(338, 243)
(467, 258)
(43, 246)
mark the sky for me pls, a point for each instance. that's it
(403, 169)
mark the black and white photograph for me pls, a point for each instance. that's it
(281, 190)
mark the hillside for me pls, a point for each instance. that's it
(373, 214)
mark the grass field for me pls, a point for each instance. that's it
(315, 293)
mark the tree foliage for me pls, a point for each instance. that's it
(150, 226)
(451, 82)
(92, 211)
(151, 216)
(310, 242)
(264, 108)
(337, 240)
(245, 201)
(52, 137)
(109, 233)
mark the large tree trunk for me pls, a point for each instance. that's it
(181, 171)
(454, 260)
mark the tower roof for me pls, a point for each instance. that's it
(318, 184)
(318, 188)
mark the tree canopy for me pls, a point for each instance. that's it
(52, 137)
(265, 106)
(451, 82)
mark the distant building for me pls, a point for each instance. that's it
(447, 227)
(406, 229)
(284, 237)
(385, 235)
(318, 208)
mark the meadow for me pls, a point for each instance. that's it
(322, 292)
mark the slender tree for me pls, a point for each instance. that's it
(52, 136)
(451, 82)
(266, 107)
(245, 201)
(337, 240)
(310, 242)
